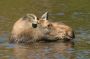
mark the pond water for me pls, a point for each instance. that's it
(75, 13)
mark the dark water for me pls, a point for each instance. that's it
(75, 13)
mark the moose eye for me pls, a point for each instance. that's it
(34, 25)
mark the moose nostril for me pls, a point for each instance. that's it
(34, 25)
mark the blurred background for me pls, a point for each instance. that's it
(75, 13)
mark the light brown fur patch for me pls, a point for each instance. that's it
(24, 32)
(55, 30)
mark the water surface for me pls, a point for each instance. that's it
(75, 13)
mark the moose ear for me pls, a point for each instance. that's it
(45, 16)
(33, 18)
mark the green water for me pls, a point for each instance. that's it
(75, 13)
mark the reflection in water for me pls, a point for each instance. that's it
(55, 50)
(75, 14)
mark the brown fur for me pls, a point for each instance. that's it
(43, 23)
(23, 32)
(55, 30)
(60, 31)
(26, 30)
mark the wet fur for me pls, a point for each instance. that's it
(56, 31)
(23, 32)
(60, 31)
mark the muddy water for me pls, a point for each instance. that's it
(75, 13)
